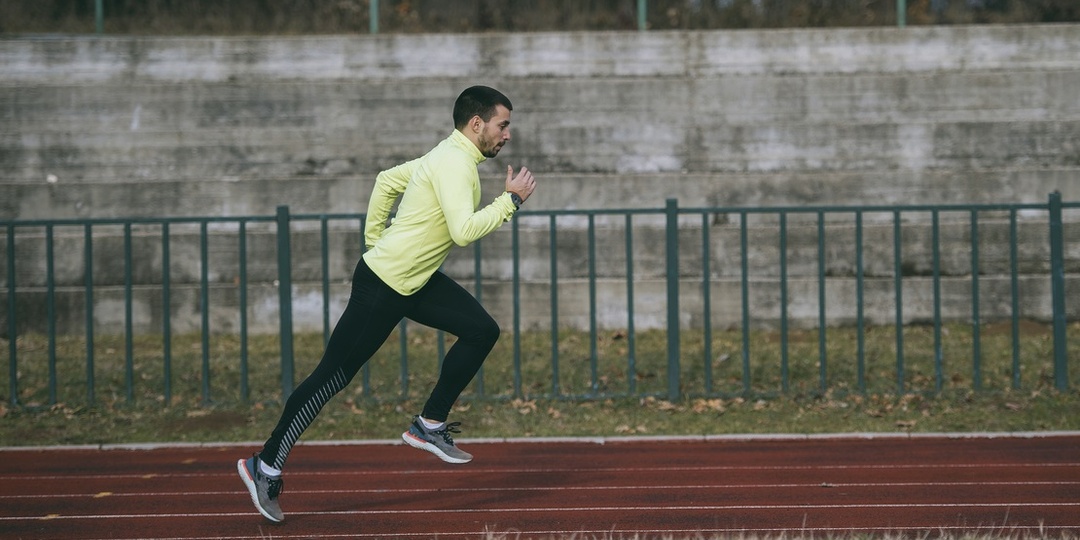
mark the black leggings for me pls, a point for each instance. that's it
(374, 309)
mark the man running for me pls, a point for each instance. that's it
(398, 277)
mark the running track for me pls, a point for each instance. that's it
(615, 488)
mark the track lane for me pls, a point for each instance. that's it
(830, 484)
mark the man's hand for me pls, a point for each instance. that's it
(523, 184)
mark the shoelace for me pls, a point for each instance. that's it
(452, 427)
(273, 487)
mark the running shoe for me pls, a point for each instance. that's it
(264, 489)
(436, 441)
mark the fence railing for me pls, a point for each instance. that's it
(682, 271)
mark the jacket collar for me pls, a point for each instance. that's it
(461, 141)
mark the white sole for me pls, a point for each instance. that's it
(424, 445)
(250, 483)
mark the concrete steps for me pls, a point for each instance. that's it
(95, 127)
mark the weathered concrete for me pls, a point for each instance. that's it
(235, 126)
(108, 127)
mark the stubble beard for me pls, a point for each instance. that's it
(489, 149)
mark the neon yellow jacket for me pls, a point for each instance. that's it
(439, 195)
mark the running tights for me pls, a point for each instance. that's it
(374, 309)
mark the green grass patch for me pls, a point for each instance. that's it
(596, 386)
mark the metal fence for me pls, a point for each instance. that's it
(581, 255)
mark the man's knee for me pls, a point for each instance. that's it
(482, 331)
(489, 332)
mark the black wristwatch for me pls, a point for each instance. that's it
(516, 199)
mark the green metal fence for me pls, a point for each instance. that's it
(682, 247)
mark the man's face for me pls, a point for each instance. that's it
(494, 133)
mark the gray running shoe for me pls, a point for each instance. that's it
(264, 489)
(436, 441)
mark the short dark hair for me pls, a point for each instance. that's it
(478, 101)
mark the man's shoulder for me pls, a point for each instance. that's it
(450, 151)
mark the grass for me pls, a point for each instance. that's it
(591, 401)
(299, 17)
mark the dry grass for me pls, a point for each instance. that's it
(54, 409)
(254, 17)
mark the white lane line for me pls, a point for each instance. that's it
(568, 470)
(519, 489)
(659, 508)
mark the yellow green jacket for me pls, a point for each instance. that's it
(439, 195)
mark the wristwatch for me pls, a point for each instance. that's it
(516, 199)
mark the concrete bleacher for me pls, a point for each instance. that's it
(106, 127)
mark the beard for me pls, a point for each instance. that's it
(489, 149)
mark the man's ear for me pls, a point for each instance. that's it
(477, 124)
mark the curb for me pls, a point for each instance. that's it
(780, 437)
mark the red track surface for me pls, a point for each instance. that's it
(618, 489)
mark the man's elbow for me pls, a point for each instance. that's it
(461, 236)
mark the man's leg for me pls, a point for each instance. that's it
(374, 309)
(445, 305)
(371, 314)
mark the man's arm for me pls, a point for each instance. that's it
(455, 194)
(389, 185)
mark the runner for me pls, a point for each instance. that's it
(398, 277)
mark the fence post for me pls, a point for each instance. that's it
(88, 279)
(373, 17)
(12, 320)
(672, 251)
(1057, 290)
(284, 246)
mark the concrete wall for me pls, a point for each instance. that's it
(108, 127)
